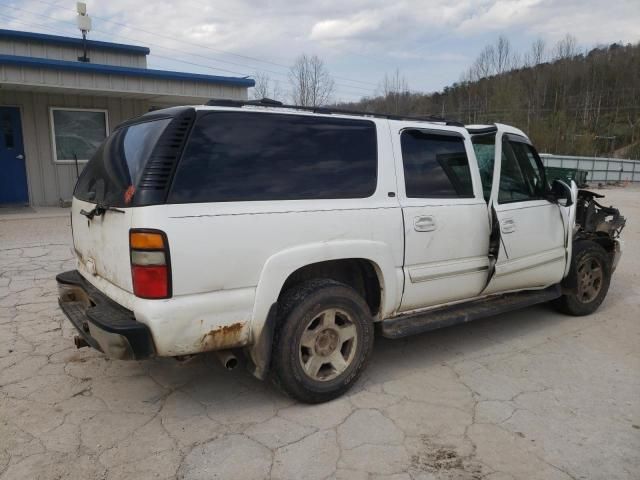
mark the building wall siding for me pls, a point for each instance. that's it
(115, 84)
(49, 183)
(32, 48)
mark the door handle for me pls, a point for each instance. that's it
(20, 157)
(508, 225)
(424, 223)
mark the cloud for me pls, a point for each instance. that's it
(591, 21)
(431, 42)
(429, 56)
(498, 15)
(341, 28)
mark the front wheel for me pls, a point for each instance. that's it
(323, 340)
(589, 276)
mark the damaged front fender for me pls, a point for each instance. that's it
(600, 224)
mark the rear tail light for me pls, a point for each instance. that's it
(150, 263)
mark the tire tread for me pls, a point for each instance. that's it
(282, 374)
(568, 303)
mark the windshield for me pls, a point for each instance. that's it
(113, 172)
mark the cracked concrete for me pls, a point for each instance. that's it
(528, 395)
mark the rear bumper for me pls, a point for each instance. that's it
(101, 322)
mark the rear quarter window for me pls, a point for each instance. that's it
(240, 156)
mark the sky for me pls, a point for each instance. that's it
(431, 42)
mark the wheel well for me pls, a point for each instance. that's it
(602, 239)
(358, 273)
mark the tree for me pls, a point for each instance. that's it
(494, 59)
(395, 89)
(311, 83)
(536, 54)
(566, 48)
(483, 65)
(567, 102)
(503, 56)
(265, 88)
(394, 84)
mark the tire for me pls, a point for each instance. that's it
(320, 322)
(589, 277)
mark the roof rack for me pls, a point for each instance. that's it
(267, 102)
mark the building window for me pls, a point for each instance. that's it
(77, 133)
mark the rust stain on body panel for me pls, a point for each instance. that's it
(226, 336)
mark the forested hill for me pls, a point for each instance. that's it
(577, 104)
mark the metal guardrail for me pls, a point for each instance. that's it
(600, 169)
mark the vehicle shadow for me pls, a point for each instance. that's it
(205, 379)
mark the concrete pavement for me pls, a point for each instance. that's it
(527, 395)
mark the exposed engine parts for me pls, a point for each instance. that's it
(594, 219)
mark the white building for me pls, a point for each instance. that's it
(55, 108)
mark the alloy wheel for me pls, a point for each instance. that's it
(328, 345)
(590, 276)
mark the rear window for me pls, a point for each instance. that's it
(114, 170)
(239, 156)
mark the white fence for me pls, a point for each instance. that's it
(600, 169)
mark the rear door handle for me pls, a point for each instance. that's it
(424, 223)
(508, 225)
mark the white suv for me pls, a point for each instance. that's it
(289, 233)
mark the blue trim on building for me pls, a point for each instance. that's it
(34, 62)
(76, 42)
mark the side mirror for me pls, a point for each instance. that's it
(562, 193)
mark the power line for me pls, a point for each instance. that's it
(63, 32)
(17, 20)
(108, 34)
(225, 52)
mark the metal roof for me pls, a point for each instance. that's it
(126, 71)
(59, 40)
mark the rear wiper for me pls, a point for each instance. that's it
(99, 210)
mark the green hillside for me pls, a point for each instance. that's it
(577, 104)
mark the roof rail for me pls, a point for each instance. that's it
(267, 102)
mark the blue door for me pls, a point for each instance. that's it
(13, 176)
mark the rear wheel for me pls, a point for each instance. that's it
(323, 340)
(589, 277)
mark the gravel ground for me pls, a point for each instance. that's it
(526, 395)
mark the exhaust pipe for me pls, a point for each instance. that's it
(227, 359)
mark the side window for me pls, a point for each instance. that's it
(484, 147)
(435, 165)
(521, 178)
(533, 167)
(241, 156)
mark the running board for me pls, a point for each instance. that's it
(414, 323)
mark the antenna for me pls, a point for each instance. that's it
(84, 24)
